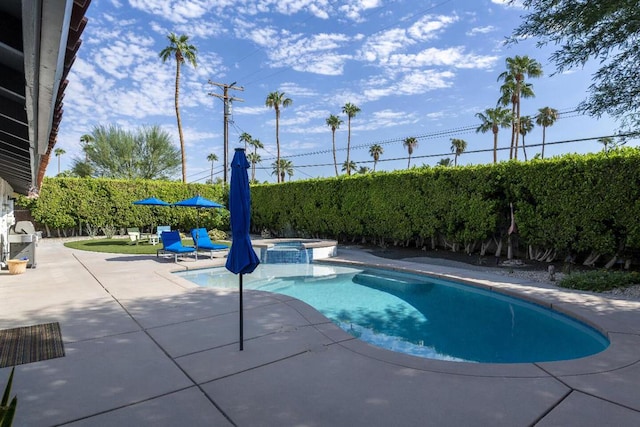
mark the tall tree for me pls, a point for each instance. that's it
(334, 123)
(147, 153)
(212, 158)
(458, 146)
(492, 120)
(246, 138)
(375, 151)
(445, 161)
(363, 170)
(278, 100)
(410, 143)
(526, 126)
(255, 143)
(508, 96)
(180, 48)
(254, 158)
(59, 152)
(604, 30)
(546, 117)
(349, 166)
(85, 140)
(606, 141)
(519, 68)
(282, 167)
(351, 111)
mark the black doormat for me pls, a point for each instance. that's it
(30, 344)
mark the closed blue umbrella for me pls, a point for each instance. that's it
(241, 259)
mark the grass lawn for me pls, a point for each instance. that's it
(118, 246)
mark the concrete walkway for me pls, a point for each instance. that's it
(145, 348)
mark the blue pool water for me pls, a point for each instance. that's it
(422, 316)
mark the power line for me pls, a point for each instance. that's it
(567, 141)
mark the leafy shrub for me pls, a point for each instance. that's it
(602, 280)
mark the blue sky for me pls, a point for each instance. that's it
(421, 69)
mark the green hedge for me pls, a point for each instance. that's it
(73, 203)
(574, 204)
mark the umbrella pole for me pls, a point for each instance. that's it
(241, 318)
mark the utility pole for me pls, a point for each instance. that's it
(227, 100)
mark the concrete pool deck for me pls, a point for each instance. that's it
(144, 347)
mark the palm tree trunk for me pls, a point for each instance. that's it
(513, 128)
(58, 165)
(374, 164)
(348, 146)
(278, 144)
(335, 161)
(544, 131)
(524, 150)
(495, 145)
(184, 160)
(211, 178)
(517, 130)
(409, 163)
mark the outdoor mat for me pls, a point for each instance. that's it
(30, 344)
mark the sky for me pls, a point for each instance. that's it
(420, 69)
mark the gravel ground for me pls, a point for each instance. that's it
(631, 293)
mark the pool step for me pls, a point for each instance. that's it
(390, 283)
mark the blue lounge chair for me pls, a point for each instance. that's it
(202, 241)
(172, 243)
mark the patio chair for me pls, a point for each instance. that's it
(134, 235)
(161, 229)
(203, 243)
(172, 243)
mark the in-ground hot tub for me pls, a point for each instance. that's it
(294, 251)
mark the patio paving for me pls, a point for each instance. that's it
(145, 347)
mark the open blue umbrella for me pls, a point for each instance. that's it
(151, 201)
(242, 259)
(198, 202)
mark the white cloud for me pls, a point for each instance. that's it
(354, 9)
(452, 57)
(481, 30)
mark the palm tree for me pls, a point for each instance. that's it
(212, 158)
(59, 152)
(349, 166)
(526, 126)
(457, 148)
(508, 95)
(334, 123)
(282, 167)
(410, 143)
(444, 162)
(350, 110)
(254, 158)
(605, 140)
(518, 68)
(86, 139)
(276, 100)
(546, 117)
(181, 49)
(376, 151)
(246, 138)
(255, 143)
(492, 120)
(363, 170)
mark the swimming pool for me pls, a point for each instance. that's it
(421, 315)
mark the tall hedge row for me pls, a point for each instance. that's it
(574, 204)
(74, 203)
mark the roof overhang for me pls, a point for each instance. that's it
(39, 40)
